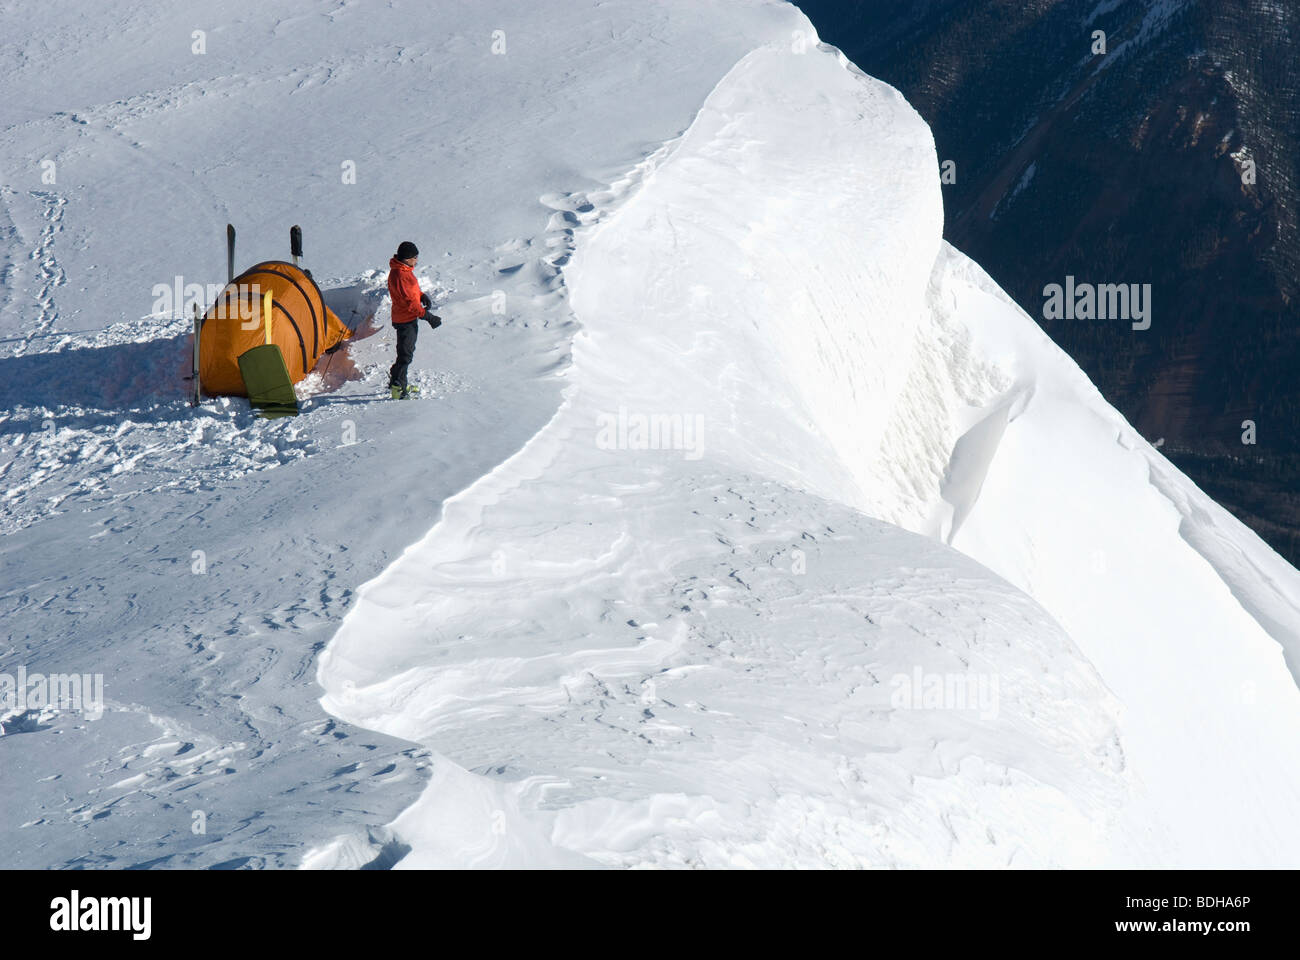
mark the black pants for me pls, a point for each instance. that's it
(406, 335)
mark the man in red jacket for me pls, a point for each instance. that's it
(410, 305)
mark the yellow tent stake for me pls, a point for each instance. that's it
(266, 313)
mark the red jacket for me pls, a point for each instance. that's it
(404, 290)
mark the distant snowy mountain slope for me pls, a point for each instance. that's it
(776, 289)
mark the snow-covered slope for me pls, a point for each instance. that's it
(761, 528)
(111, 483)
(777, 286)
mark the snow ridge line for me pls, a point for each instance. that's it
(1257, 579)
(721, 561)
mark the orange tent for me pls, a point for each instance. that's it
(298, 323)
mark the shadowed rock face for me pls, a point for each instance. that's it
(1128, 167)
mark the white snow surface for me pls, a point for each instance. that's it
(723, 450)
(779, 277)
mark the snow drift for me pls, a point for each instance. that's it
(771, 532)
(665, 632)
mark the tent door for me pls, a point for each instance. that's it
(266, 381)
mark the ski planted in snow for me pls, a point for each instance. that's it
(230, 252)
(198, 387)
(295, 243)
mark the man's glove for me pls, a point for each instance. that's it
(434, 322)
(425, 301)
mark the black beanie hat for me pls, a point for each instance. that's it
(406, 250)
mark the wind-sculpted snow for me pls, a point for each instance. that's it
(654, 679)
(1186, 613)
(689, 646)
(948, 412)
(664, 633)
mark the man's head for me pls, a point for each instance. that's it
(408, 253)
